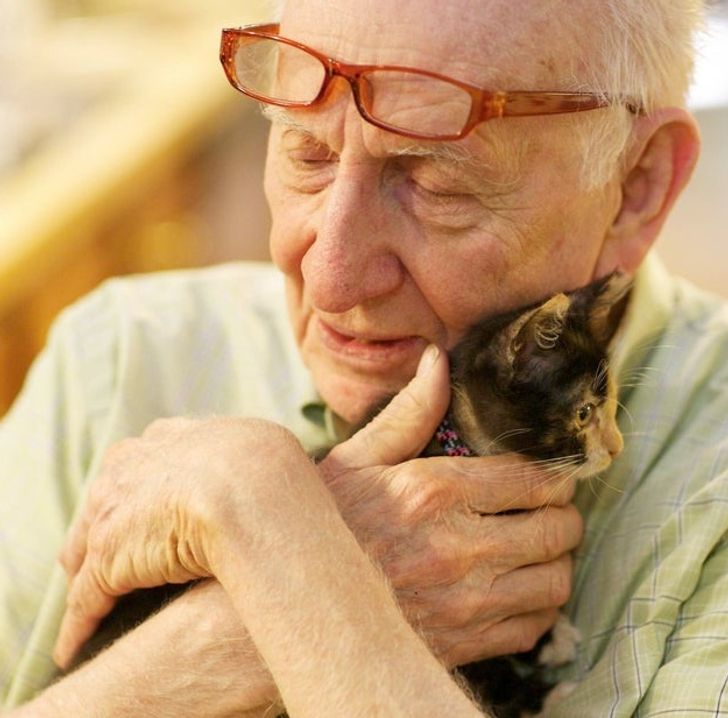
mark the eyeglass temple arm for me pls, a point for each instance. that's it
(525, 103)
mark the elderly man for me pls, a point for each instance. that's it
(516, 155)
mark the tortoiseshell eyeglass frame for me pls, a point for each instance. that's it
(485, 104)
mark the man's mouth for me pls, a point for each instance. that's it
(378, 351)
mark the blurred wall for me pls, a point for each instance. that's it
(122, 149)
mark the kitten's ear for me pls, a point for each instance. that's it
(603, 302)
(539, 328)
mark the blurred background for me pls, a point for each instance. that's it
(123, 149)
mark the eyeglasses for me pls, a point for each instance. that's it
(410, 102)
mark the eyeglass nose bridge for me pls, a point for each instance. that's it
(355, 75)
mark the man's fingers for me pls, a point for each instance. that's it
(529, 537)
(504, 545)
(403, 428)
(87, 604)
(540, 587)
(512, 635)
(74, 550)
(507, 482)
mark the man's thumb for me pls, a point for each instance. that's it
(403, 428)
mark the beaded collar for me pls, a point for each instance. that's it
(449, 439)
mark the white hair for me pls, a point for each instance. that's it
(641, 49)
(647, 48)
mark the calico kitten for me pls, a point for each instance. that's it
(534, 381)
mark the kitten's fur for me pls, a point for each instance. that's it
(533, 381)
(536, 381)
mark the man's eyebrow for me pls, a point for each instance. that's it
(449, 152)
(437, 151)
(434, 150)
(282, 116)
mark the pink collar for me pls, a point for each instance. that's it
(449, 439)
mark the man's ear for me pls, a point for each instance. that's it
(664, 151)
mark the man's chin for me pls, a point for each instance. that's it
(353, 399)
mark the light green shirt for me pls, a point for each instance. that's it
(651, 587)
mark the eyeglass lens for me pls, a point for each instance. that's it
(278, 72)
(417, 102)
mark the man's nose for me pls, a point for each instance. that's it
(353, 257)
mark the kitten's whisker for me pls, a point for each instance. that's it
(598, 477)
(557, 470)
(555, 491)
(638, 377)
(635, 385)
(555, 459)
(561, 466)
(566, 471)
(591, 487)
(512, 504)
(560, 482)
(505, 435)
(549, 466)
(643, 368)
(645, 372)
(626, 411)
(526, 449)
(539, 464)
(646, 345)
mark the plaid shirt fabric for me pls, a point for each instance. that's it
(651, 576)
(651, 583)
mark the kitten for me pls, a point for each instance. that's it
(534, 381)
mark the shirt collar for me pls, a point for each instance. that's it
(648, 313)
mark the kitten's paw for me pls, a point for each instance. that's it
(561, 648)
(557, 693)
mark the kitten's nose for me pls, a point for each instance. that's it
(613, 442)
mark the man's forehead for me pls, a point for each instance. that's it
(486, 43)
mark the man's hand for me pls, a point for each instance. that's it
(476, 581)
(155, 511)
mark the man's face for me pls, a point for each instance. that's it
(389, 244)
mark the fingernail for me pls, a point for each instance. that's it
(60, 657)
(427, 360)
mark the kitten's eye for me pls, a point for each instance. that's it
(584, 413)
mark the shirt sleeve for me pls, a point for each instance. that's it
(46, 444)
(693, 677)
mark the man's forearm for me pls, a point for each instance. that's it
(192, 658)
(80, 695)
(321, 613)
